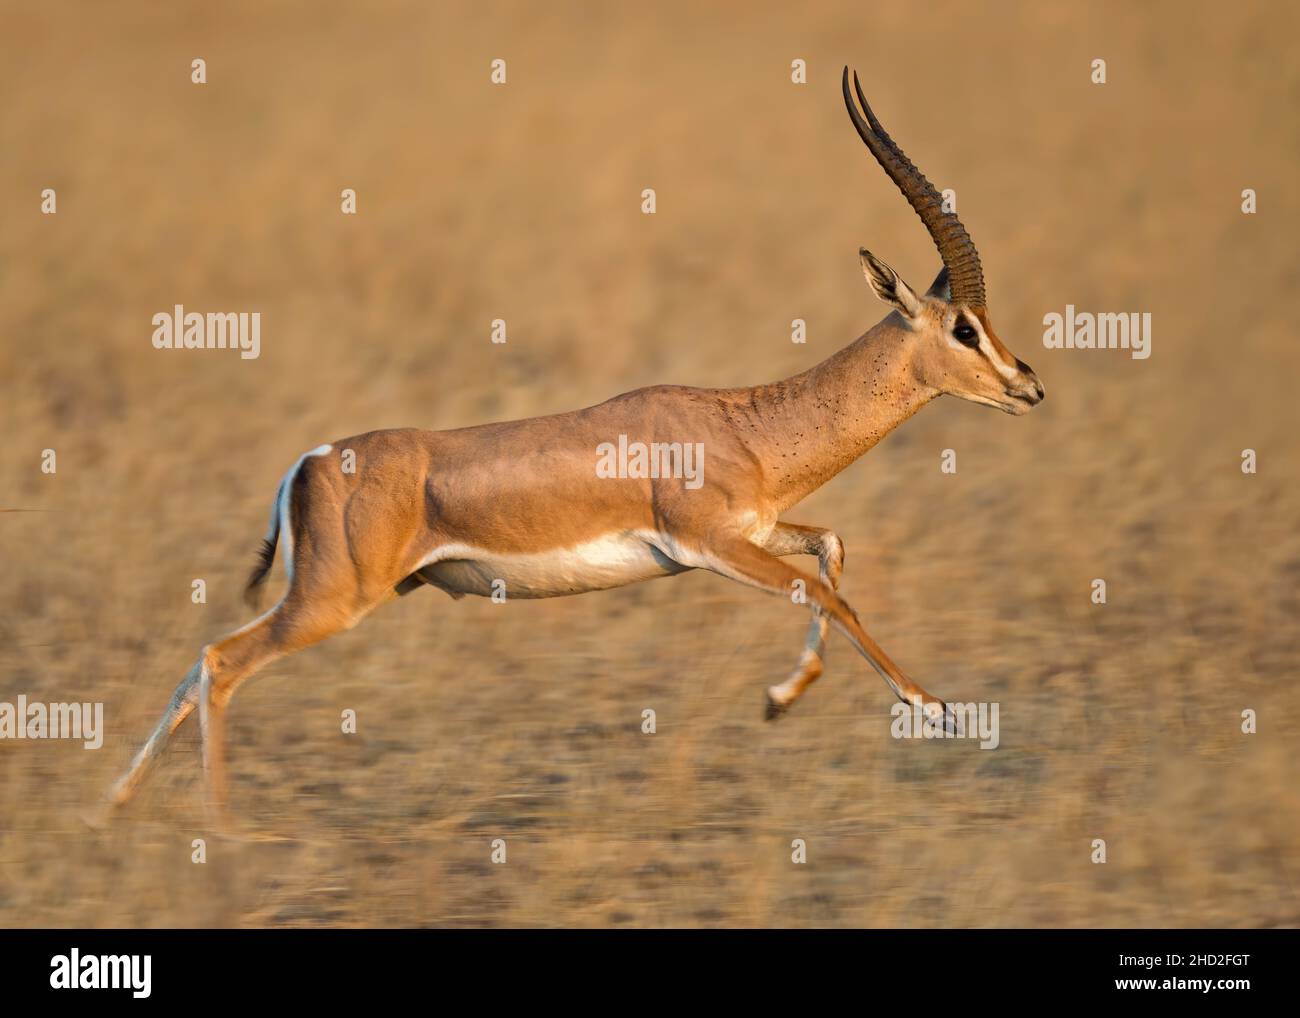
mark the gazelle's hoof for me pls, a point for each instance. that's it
(940, 714)
(773, 709)
(96, 817)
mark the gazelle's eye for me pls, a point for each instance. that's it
(966, 334)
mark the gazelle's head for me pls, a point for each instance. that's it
(956, 350)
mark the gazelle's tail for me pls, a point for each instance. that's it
(265, 557)
(279, 521)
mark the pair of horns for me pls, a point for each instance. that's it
(950, 237)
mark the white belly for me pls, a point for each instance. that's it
(611, 561)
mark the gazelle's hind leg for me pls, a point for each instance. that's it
(183, 702)
(327, 593)
(211, 683)
(297, 622)
(793, 539)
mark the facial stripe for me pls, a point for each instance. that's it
(992, 349)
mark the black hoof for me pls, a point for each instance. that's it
(773, 709)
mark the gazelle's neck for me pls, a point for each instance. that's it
(819, 422)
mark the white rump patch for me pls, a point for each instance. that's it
(286, 486)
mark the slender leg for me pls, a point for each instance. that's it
(747, 563)
(292, 625)
(220, 670)
(182, 704)
(794, 539)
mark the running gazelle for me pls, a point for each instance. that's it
(522, 504)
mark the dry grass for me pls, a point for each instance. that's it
(522, 722)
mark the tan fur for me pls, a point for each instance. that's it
(523, 500)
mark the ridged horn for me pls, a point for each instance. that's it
(949, 236)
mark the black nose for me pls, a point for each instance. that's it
(1025, 369)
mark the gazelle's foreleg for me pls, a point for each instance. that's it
(794, 539)
(740, 560)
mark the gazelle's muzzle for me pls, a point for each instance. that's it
(1025, 391)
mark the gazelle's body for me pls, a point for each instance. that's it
(500, 502)
(524, 509)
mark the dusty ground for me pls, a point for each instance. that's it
(521, 202)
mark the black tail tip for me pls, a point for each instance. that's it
(253, 588)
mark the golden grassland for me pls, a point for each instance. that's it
(480, 721)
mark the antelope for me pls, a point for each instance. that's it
(521, 505)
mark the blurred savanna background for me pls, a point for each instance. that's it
(522, 202)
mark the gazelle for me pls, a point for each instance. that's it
(523, 506)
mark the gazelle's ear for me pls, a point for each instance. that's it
(940, 288)
(888, 285)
